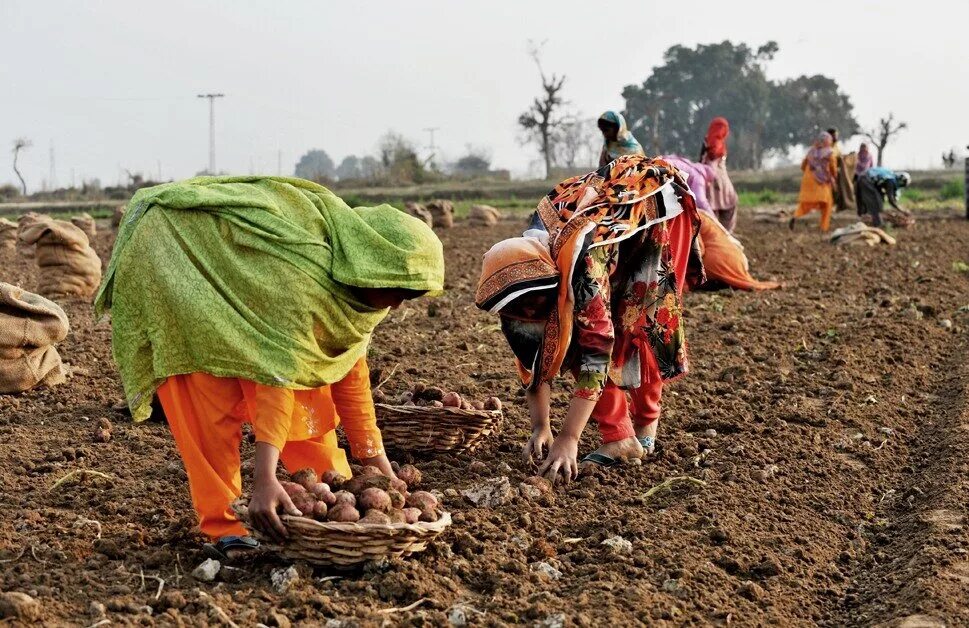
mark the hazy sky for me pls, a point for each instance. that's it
(112, 84)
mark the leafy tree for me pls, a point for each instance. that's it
(542, 122)
(887, 128)
(671, 109)
(476, 162)
(20, 144)
(315, 165)
(349, 168)
(399, 161)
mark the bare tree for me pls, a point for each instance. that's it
(542, 121)
(880, 136)
(579, 143)
(19, 144)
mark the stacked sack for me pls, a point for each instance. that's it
(85, 222)
(442, 212)
(29, 327)
(69, 267)
(8, 235)
(419, 211)
(23, 223)
(484, 216)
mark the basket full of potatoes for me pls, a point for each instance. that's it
(346, 523)
(428, 419)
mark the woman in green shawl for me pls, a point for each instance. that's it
(252, 300)
(618, 139)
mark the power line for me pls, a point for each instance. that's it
(211, 98)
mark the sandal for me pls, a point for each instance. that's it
(221, 548)
(601, 460)
(648, 443)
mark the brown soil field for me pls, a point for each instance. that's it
(829, 422)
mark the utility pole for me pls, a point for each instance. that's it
(52, 176)
(211, 98)
(430, 132)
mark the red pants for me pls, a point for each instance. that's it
(614, 413)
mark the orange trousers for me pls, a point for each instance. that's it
(206, 414)
(724, 261)
(805, 207)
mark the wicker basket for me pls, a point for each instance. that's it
(347, 545)
(426, 429)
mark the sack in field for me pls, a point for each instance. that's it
(23, 223)
(30, 325)
(484, 215)
(86, 224)
(419, 211)
(117, 216)
(442, 212)
(8, 235)
(68, 264)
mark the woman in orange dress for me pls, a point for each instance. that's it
(820, 173)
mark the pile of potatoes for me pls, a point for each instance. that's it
(369, 497)
(435, 397)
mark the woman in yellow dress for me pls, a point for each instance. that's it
(820, 173)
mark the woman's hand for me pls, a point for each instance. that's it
(268, 497)
(534, 449)
(382, 463)
(563, 459)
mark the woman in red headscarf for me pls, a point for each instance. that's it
(720, 190)
(594, 289)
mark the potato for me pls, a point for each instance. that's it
(433, 393)
(405, 398)
(104, 424)
(397, 499)
(397, 516)
(292, 488)
(422, 500)
(394, 466)
(451, 400)
(343, 513)
(477, 405)
(370, 470)
(334, 479)
(318, 489)
(398, 485)
(411, 515)
(492, 403)
(102, 435)
(374, 499)
(307, 477)
(410, 475)
(435, 404)
(344, 497)
(362, 482)
(418, 388)
(319, 511)
(430, 515)
(466, 405)
(304, 503)
(376, 516)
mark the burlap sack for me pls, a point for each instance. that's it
(29, 327)
(419, 211)
(68, 264)
(23, 223)
(484, 215)
(8, 235)
(442, 212)
(118, 215)
(86, 223)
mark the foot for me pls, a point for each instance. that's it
(646, 435)
(626, 449)
(790, 224)
(231, 548)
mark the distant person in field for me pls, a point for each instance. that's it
(618, 140)
(723, 255)
(865, 160)
(874, 186)
(843, 190)
(593, 288)
(820, 173)
(253, 300)
(720, 190)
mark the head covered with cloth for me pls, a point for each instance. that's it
(618, 139)
(273, 280)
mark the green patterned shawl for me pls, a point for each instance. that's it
(247, 277)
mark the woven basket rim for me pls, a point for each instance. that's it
(421, 527)
(436, 410)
